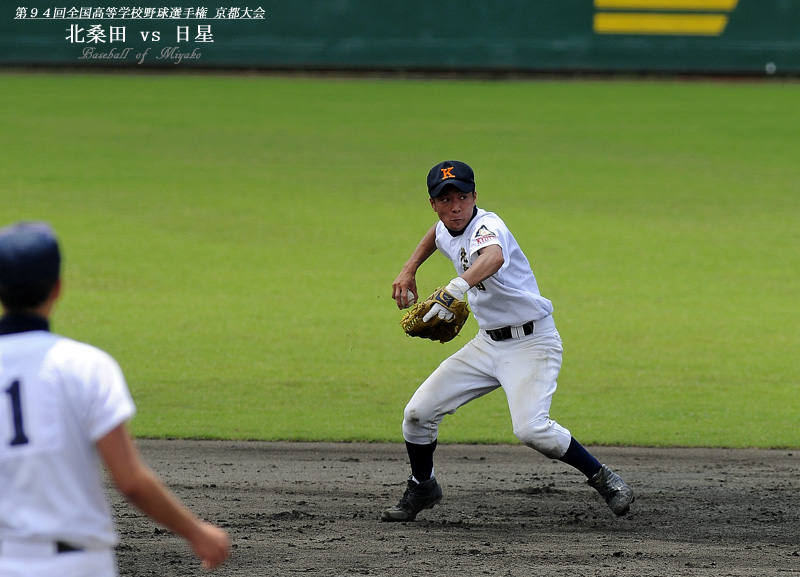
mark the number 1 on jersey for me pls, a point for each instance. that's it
(16, 409)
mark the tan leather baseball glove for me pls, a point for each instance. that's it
(440, 317)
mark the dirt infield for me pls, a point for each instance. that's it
(314, 509)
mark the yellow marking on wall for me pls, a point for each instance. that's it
(632, 23)
(688, 5)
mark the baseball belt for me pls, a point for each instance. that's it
(35, 549)
(517, 332)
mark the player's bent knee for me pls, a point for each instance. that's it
(545, 436)
(418, 426)
(416, 415)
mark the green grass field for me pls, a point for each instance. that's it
(232, 240)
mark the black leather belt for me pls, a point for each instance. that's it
(38, 548)
(505, 332)
(62, 547)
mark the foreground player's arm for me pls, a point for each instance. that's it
(406, 281)
(142, 488)
(489, 261)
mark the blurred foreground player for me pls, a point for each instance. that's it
(63, 404)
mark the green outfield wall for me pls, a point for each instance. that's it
(676, 36)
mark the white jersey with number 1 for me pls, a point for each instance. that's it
(57, 398)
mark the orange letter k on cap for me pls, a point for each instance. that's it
(447, 172)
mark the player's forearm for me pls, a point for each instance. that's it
(151, 496)
(489, 261)
(404, 287)
(153, 499)
(140, 485)
(425, 248)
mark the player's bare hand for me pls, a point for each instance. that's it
(404, 290)
(211, 544)
(406, 299)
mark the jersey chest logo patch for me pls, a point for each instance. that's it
(484, 235)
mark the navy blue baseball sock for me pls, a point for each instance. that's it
(581, 459)
(421, 459)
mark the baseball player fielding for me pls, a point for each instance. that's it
(517, 347)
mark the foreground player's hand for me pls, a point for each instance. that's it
(211, 544)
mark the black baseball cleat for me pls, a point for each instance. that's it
(613, 489)
(418, 496)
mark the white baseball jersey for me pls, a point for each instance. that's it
(57, 398)
(510, 297)
(526, 368)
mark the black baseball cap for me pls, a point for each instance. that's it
(450, 173)
(29, 254)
